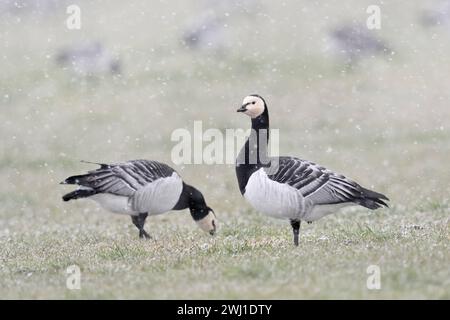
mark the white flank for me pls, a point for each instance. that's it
(158, 196)
(320, 211)
(272, 198)
(113, 203)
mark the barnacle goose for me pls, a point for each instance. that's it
(207, 31)
(140, 188)
(354, 42)
(89, 60)
(288, 187)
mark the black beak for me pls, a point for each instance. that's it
(243, 108)
(212, 232)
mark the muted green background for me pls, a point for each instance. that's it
(385, 124)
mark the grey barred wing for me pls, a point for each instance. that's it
(122, 179)
(316, 183)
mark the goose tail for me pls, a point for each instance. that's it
(372, 200)
(75, 179)
(77, 194)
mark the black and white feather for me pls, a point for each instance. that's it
(288, 187)
(140, 188)
(131, 187)
(303, 190)
(321, 186)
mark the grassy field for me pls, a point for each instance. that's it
(386, 125)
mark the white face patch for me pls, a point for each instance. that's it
(254, 105)
(208, 223)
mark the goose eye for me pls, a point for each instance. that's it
(253, 102)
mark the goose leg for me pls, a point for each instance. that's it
(296, 229)
(139, 222)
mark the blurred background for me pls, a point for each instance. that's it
(372, 104)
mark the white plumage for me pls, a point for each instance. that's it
(154, 198)
(159, 196)
(114, 203)
(272, 198)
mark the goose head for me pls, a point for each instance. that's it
(203, 215)
(253, 106)
(205, 219)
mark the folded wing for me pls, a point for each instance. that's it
(122, 179)
(322, 186)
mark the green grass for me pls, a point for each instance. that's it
(246, 260)
(386, 125)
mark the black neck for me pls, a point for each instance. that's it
(262, 122)
(185, 200)
(254, 154)
(260, 135)
(193, 199)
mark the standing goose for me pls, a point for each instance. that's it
(288, 187)
(140, 188)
